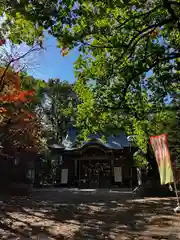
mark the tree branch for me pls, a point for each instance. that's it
(160, 60)
(167, 5)
(104, 46)
(139, 35)
(2, 83)
(145, 15)
(146, 49)
(144, 32)
(174, 3)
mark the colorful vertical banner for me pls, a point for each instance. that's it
(162, 155)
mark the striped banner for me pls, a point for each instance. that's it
(162, 155)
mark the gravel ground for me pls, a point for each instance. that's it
(78, 215)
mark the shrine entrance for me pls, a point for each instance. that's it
(94, 168)
(95, 173)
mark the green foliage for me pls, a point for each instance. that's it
(130, 50)
(140, 160)
(18, 29)
(59, 108)
(54, 102)
(35, 106)
(174, 131)
(25, 20)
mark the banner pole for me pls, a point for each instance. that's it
(175, 188)
(177, 209)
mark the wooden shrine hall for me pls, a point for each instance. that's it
(95, 164)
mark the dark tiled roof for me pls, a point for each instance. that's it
(118, 141)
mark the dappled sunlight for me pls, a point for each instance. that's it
(81, 219)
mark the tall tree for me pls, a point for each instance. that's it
(59, 108)
(13, 92)
(20, 128)
(131, 52)
(174, 129)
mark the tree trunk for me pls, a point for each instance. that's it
(139, 176)
(152, 187)
(153, 172)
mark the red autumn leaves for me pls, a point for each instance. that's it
(64, 51)
(2, 42)
(19, 96)
(28, 116)
(12, 88)
(12, 92)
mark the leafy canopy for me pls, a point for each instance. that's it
(131, 52)
(58, 108)
(129, 49)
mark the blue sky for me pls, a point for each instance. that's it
(50, 63)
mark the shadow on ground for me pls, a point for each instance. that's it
(78, 216)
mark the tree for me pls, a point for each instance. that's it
(56, 107)
(59, 108)
(20, 129)
(174, 127)
(131, 52)
(15, 107)
(88, 18)
(25, 21)
(12, 95)
(20, 126)
(17, 117)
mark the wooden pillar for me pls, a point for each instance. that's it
(98, 178)
(89, 175)
(112, 163)
(131, 176)
(79, 174)
(131, 171)
(75, 167)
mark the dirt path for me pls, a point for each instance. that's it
(78, 216)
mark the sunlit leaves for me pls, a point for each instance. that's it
(127, 50)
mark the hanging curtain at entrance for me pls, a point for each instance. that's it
(117, 174)
(64, 176)
(161, 151)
